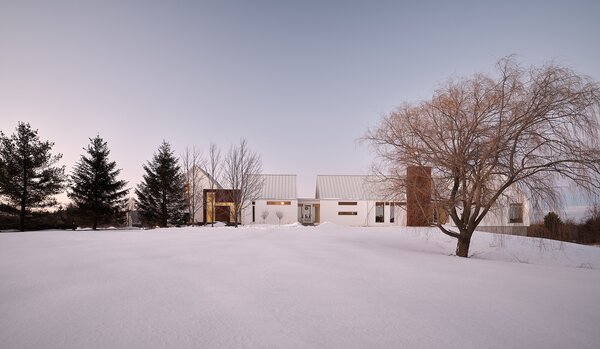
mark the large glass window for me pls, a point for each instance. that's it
(515, 213)
(392, 212)
(379, 212)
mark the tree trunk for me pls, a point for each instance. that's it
(22, 217)
(462, 247)
(164, 217)
(23, 202)
(95, 225)
(163, 221)
(235, 217)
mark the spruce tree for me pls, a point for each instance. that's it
(160, 195)
(28, 178)
(95, 189)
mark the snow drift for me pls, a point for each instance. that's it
(294, 287)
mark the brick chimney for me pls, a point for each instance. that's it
(419, 210)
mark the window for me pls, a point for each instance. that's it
(347, 213)
(279, 202)
(347, 203)
(392, 212)
(253, 212)
(379, 213)
(515, 213)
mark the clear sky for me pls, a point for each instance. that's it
(300, 80)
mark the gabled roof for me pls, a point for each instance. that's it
(351, 187)
(208, 177)
(278, 187)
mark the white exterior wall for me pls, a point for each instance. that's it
(500, 217)
(497, 221)
(290, 212)
(400, 216)
(330, 209)
(365, 213)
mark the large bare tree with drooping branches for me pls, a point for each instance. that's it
(489, 138)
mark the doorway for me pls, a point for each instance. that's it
(307, 214)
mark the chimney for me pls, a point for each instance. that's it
(419, 210)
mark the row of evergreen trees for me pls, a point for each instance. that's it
(30, 178)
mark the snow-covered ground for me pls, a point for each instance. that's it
(294, 287)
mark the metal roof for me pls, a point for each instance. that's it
(354, 187)
(278, 187)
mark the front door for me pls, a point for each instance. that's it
(222, 214)
(307, 214)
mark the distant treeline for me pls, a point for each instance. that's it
(586, 232)
(169, 193)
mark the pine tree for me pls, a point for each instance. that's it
(95, 189)
(160, 195)
(27, 176)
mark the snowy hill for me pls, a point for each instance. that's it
(294, 287)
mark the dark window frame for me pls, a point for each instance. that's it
(515, 208)
(379, 218)
(347, 213)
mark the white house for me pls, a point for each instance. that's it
(356, 200)
(510, 217)
(361, 200)
(277, 202)
(202, 180)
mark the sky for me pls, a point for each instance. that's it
(301, 81)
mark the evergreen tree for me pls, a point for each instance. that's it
(552, 222)
(27, 176)
(160, 195)
(95, 189)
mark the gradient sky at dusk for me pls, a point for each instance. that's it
(301, 81)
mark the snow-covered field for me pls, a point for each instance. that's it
(294, 287)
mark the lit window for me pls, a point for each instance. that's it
(515, 213)
(379, 212)
(347, 213)
(279, 202)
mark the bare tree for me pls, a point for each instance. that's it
(192, 164)
(279, 215)
(213, 168)
(264, 216)
(242, 168)
(487, 139)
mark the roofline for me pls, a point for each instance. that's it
(345, 175)
(209, 177)
(279, 199)
(276, 174)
